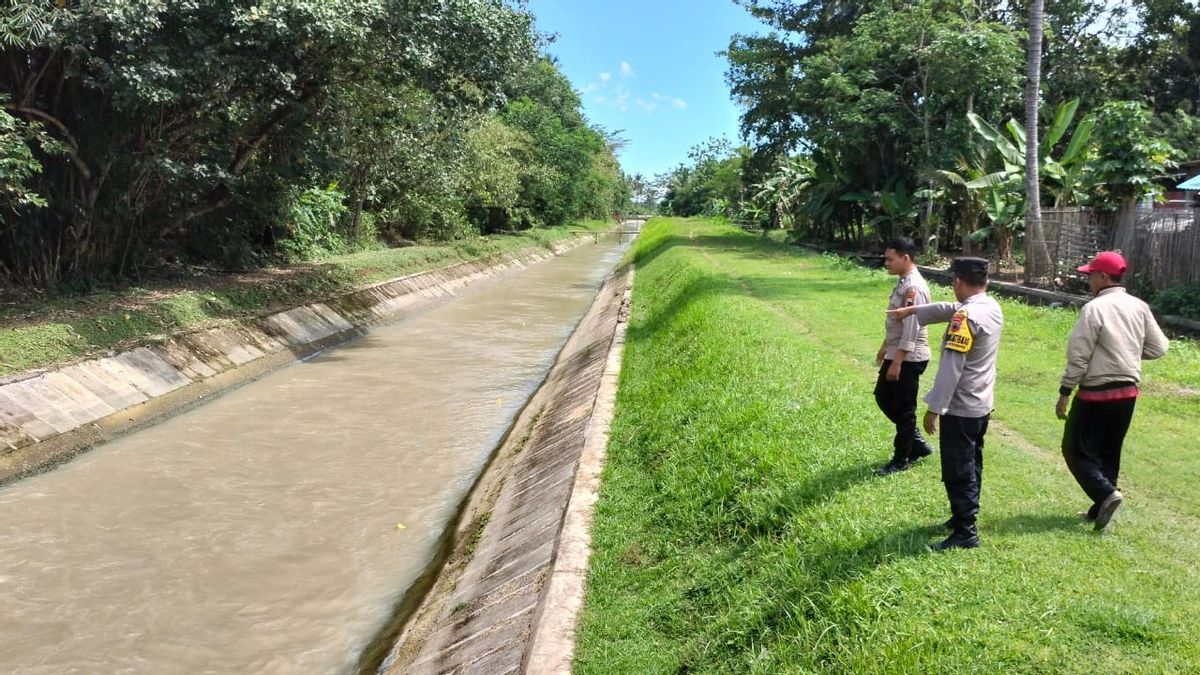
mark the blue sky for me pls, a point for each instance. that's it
(649, 69)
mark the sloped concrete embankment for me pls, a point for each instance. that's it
(507, 587)
(48, 416)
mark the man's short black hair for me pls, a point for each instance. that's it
(973, 271)
(903, 246)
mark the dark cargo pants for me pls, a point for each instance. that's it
(961, 441)
(898, 401)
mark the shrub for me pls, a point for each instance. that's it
(1181, 300)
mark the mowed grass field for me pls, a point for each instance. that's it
(741, 528)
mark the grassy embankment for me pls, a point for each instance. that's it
(740, 526)
(35, 335)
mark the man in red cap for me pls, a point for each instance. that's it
(1115, 331)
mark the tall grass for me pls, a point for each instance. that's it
(741, 529)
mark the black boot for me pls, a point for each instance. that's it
(920, 450)
(892, 467)
(961, 537)
(964, 509)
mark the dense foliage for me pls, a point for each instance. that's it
(137, 135)
(874, 118)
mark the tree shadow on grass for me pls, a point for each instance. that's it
(816, 490)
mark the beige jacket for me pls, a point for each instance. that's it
(1115, 331)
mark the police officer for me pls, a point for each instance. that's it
(962, 394)
(902, 358)
(1114, 332)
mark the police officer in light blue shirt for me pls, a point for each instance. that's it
(962, 395)
(902, 358)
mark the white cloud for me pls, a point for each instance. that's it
(648, 106)
(622, 99)
(674, 101)
(607, 91)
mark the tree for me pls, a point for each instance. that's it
(175, 132)
(1006, 186)
(711, 184)
(1129, 155)
(1037, 257)
(21, 25)
(884, 97)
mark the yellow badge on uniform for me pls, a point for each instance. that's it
(958, 334)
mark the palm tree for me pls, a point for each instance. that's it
(1002, 189)
(958, 187)
(1037, 258)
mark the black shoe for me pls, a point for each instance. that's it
(919, 453)
(949, 524)
(960, 538)
(892, 467)
(1108, 508)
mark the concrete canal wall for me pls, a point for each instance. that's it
(503, 595)
(48, 416)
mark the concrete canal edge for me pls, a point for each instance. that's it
(553, 646)
(504, 593)
(49, 416)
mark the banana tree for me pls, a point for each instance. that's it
(824, 203)
(954, 186)
(1066, 171)
(1005, 208)
(782, 193)
(1004, 188)
(893, 206)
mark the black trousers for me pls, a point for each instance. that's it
(961, 440)
(898, 401)
(1091, 444)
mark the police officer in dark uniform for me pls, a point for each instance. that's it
(902, 358)
(963, 392)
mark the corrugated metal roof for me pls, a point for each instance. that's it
(1192, 183)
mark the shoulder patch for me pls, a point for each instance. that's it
(910, 297)
(958, 333)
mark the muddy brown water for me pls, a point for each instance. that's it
(274, 529)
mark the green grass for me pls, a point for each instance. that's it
(65, 328)
(740, 527)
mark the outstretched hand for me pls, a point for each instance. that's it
(902, 312)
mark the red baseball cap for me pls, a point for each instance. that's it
(1109, 262)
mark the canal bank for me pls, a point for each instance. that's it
(48, 416)
(505, 592)
(276, 528)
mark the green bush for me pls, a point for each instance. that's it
(1182, 300)
(313, 220)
